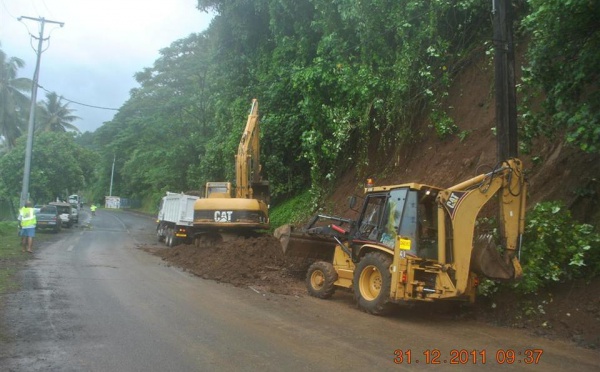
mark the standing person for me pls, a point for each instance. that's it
(93, 209)
(27, 221)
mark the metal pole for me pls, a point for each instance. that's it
(30, 125)
(112, 173)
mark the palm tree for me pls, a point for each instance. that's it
(13, 103)
(54, 116)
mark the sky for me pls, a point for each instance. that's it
(92, 59)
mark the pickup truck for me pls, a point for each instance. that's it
(48, 218)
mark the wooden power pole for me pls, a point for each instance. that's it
(30, 126)
(506, 94)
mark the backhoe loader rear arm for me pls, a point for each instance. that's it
(462, 204)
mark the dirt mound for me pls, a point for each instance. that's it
(255, 262)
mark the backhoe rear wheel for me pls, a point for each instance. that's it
(372, 283)
(320, 278)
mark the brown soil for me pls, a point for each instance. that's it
(255, 262)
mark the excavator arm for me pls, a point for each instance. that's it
(247, 160)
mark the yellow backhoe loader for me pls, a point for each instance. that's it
(245, 209)
(415, 241)
(419, 242)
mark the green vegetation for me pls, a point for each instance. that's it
(58, 164)
(333, 79)
(10, 255)
(564, 66)
(294, 210)
(556, 249)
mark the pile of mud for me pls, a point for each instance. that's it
(255, 262)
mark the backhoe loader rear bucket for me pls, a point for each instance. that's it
(304, 245)
(487, 261)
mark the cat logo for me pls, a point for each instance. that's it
(453, 201)
(223, 216)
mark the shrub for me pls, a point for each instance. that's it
(556, 248)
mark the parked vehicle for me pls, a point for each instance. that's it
(74, 199)
(66, 213)
(175, 218)
(75, 212)
(49, 218)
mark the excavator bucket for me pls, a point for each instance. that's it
(487, 261)
(301, 244)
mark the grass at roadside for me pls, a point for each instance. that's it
(11, 257)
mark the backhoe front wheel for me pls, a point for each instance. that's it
(372, 283)
(320, 278)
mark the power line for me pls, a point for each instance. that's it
(79, 103)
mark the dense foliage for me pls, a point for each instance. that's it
(335, 79)
(564, 68)
(556, 249)
(59, 166)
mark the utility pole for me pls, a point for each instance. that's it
(506, 93)
(112, 173)
(30, 126)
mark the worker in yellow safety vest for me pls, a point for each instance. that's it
(27, 222)
(93, 209)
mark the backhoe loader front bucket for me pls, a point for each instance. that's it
(304, 245)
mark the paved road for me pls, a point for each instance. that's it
(93, 301)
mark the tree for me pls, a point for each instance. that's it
(55, 117)
(58, 166)
(563, 67)
(13, 102)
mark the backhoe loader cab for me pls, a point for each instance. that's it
(415, 242)
(407, 211)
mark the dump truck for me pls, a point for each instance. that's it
(175, 220)
(415, 242)
(242, 209)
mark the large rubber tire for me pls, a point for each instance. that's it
(372, 283)
(169, 238)
(320, 278)
(160, 233)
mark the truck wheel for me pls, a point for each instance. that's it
(320, 278)
(169, 238)
(372, 283)
(160, 234)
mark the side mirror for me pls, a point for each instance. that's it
(352, 202)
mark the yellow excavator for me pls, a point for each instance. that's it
(245, 209)
(415, 242)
